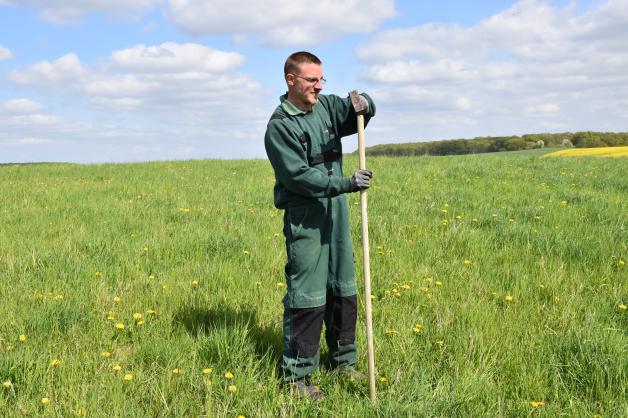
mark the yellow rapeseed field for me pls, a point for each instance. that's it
(595, 152)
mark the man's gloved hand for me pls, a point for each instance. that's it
(361, 180)
(363, 105)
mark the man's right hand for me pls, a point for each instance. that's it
(360, 180)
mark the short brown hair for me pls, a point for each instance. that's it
(298, 58)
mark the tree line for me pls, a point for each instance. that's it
(502, 143)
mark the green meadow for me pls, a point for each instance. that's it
(499, 286)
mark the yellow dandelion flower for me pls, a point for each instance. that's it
(232, 388)
(474, 220)
(467, 261)
(258, 283)
(563, 202)
(494, 215)
(280, 285)
(556, 298)
(542, 286)
(207, 370)
(45, 401)
(151, 312)
(146, 248)
(151, 276)
(417, 328)
(98, 274)
(194, 282)
(444, 222)
(116, 367)
(241, 416)
(508, 298)
(438, 283)
(458, 217)
(137, 316)
(140, 322)
(119, 325)
(405, 286)
(229, 375)
(105, 354)
(23, 337)
(536, 404)
(55, 362)
(621, 263)
(622, 306)
(184, 209)
(128, 377)
(176, 371)
(383, 380)
(7, 384)
(59, 296)
(117, 299)
(246, 252)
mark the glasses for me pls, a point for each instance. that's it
(312, 80)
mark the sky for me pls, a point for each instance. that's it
(96, 81)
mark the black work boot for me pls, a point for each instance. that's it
(305, 388)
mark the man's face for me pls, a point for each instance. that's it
(302, 89)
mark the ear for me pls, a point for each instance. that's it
(290, 79)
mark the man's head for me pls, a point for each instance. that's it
(303, 72)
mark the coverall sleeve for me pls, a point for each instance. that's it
(289, 161)
(344, 117)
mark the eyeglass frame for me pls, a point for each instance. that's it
(312, 80)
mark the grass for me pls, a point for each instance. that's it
(499, 287)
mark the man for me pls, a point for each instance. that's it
(303, 145)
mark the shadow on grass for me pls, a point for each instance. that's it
(198, 321)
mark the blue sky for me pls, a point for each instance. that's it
(113, 80)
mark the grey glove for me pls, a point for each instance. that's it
(360, 180)
(363, 105)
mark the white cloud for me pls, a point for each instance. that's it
(531, 67)
(281, 22)
(66, 11)
(22, 106)
(170, 57)
(165, 99)
(55, 74)
(5, 53)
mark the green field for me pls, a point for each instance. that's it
(499, 282)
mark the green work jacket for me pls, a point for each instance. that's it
(305, 151)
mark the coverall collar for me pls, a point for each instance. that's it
(290, 107)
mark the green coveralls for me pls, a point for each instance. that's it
(305, 151)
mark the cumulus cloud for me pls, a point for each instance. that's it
(281, 22)
(22, 106)
(66, 11)
(5, 53)
(181, 96)
(532, 67)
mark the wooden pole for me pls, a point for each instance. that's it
(366, 264)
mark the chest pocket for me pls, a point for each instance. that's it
(329, 151)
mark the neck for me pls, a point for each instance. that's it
(300, 104)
